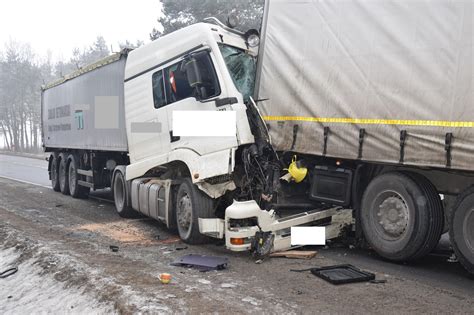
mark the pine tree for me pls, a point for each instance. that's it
(180, 13)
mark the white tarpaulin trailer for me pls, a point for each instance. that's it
(385, 81)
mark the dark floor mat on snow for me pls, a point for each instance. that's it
(341, 274)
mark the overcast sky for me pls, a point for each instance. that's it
(61, 25)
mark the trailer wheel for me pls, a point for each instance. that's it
(121, 198)
(397, 216)
(75, 190)
(436, 213)
(63, 174)
(191, 204)
(461, 229)
(54, 172)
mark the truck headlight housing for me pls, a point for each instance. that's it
(252, 37)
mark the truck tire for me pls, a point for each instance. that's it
(63, 174)
(75, 190)
(461, 229)
(191, 204)
(397, 216)
(121, 197)
(437, 217)
(54, 168)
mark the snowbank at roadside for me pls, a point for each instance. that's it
(31, 290)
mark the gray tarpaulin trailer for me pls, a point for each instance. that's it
(376, 97)
(385, 81)
(85, 110)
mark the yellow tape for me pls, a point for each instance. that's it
(363, 121)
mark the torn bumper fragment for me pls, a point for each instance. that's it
(243, 219)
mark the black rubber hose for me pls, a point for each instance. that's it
(8, 272)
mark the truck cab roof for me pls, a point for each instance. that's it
(178, 43)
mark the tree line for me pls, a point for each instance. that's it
(22, 72)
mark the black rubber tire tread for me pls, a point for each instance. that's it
(79, 191)
(468, 265)
(54, 168)
(416, 240)
(436, 215)
(202, 207)
(63, 174)
(124, 210)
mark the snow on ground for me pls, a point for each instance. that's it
(30, 290)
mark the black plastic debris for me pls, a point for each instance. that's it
(8, 272)
(114, 248)
(341, 274)
(202, 263)
(262, 244)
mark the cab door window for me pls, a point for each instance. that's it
(159, 96)
(171, 84)
(178, 87)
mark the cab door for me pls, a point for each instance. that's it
(181, 96)
(146, 116)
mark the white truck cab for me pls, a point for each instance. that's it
(156, 85)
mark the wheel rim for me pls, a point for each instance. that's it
(184, 212)
(390, 215)
(72, 177)
(468, 230)
(119, 193)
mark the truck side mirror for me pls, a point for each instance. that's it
(193, 75)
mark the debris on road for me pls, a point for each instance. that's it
(114, 248)
(342, 274)
(262, 244)
(8, 272)
(202, 263)
(299, 254)
(165, 278)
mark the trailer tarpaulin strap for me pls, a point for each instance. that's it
(364, 121)
(383, 66)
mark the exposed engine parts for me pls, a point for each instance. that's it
(259, 169)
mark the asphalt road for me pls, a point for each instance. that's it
(42, 225)
(30, 170)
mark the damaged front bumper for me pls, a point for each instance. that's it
(245, 218)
